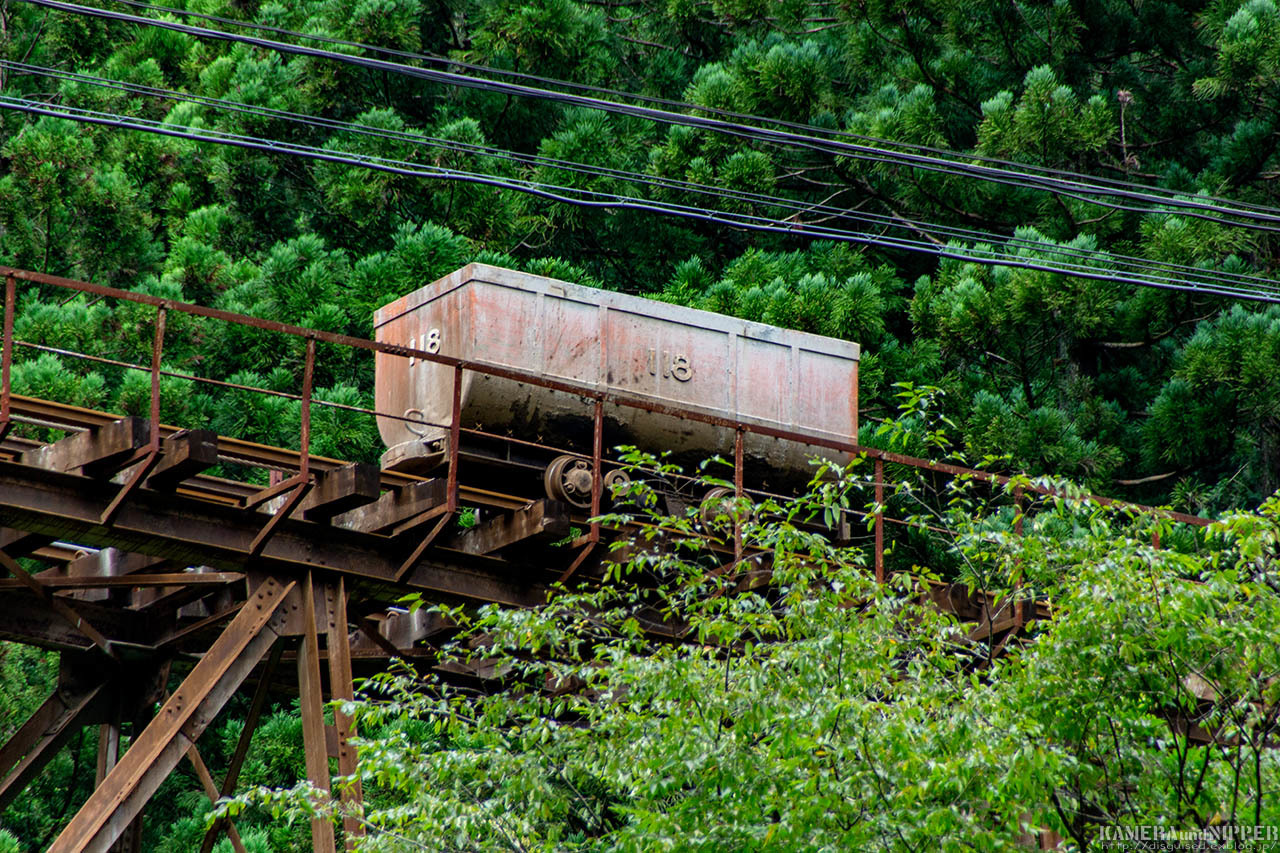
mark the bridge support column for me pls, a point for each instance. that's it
(338, 643)
(311, 701)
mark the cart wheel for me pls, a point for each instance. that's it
(718, 501)
(616, 480)
(568, 479)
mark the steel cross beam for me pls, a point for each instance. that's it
(162, 744)
(337, 642)
(311, 703)
(256, 707)
(43, 734)
(180, 528)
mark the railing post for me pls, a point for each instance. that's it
(308, 377)
(455, 435)
(597, 462)
(879, 482)
(6, 356)
(1019, 610)
(737, 493)
(157, 352)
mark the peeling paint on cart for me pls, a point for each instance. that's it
(604, 342)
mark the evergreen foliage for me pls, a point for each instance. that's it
(1152, 395)
(1082, 377)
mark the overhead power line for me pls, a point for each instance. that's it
(930, 230)
(811, 129)
(1077, 186)
(1095, 269)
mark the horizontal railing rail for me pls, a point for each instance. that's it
(596, 397)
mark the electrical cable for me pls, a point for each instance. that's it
(598, 200)
(610, 200)
(685, 105)
(1264, 219)
(927, 229)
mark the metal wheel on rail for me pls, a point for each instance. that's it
(568, 479)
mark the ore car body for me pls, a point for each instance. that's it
(667, 356)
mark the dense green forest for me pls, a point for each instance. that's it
(1155, 394)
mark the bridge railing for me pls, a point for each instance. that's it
(296, 484)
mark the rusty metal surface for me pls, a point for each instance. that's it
(163, 743)
(341, 688)
(288, 460)
(195, 531)
(311, 705)
(230, 449)
(639, 377)
(615, 347)
(256, 706)
(38, 740)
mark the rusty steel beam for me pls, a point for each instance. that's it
(340, 490)
(584, 551)
(24, 618)
(57, 605)
(337, 643)
(371, 630)
(162, 744)
(95, 450)
(177, 636)
(239, 451)
(183, 455)
(415, 555)
(38, 740)
(179, 579)
(77, 419)
(197, 532)
(311, 703)
(413, 524)
(108, 562)
(541, 521)
(395, 507)
(167, 600)
(286, 509)
(211, 791)
(256, 707)
(108, 746)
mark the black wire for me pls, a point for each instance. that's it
(928, 229)
(1258, 220)
(618, 202)
(799, 126)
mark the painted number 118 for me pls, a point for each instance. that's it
(672, 366)
(430, 343)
